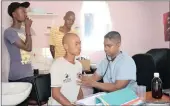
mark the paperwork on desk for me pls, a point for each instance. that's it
(90, 100)
(123, 97)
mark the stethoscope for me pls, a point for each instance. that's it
(110, 60)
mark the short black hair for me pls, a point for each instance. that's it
(14, 5)
(68, 13)
(113, 35)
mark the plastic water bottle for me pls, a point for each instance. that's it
(156, 87)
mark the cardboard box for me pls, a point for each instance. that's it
(85, 65)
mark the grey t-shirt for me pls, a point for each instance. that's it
(20, 64)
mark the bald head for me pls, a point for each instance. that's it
(72, 44)
(68, 37)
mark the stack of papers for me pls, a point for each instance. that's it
(90, 100)
(123, 97)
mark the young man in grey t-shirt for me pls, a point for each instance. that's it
(19, 43)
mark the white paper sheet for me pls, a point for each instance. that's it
(90, 100)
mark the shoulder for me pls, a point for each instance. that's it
(54, 29)
(57, 65)
(74, 30)
(78, 63)
(103, 63)
(59, 60)
(10, 32)
(126, 59)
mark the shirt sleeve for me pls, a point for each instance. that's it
(11, 36)
(56, 75)
(51, 39)
(126, 70)
(81, 67)
(101, 68)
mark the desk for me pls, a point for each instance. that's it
(150, 99)
(89, 91)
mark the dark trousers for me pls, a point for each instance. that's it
(27, 79)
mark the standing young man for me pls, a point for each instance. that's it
(57, 33)
(19, 43)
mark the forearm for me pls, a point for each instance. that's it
(28, 41)
(62, 99)
(53, 53)
(52, 50)
(109, 87)
(95, 77)
(80, 95)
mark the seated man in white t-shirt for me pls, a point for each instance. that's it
(65, 71)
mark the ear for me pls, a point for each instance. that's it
(13, 14)
(64, 17)
(65, 47)
(118, 44)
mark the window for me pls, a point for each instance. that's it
(95, 23)
(41, 58)
(46, 53)
(88, 24)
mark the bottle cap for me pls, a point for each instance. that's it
(156, 74)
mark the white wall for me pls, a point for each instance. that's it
(140, 23)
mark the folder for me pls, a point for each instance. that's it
(123, 97)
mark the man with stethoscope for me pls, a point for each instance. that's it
(116, 71)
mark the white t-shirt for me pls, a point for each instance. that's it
(65, 74)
